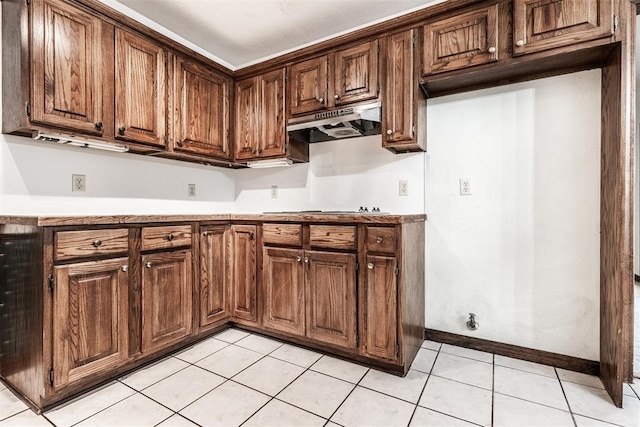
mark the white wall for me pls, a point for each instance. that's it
(341, 175)
(522, 252)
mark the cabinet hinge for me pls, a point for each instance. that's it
(51, 376)
(51, 282)
(378, 89)
(378, 50)
(357, 266)
(28, 2)
(166, 140)
(357, 339)
(413, 41)
(397, 272)
(616, 22)
(413, 130)
(27, 109)
(397, 349)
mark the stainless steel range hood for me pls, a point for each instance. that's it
(350, 122)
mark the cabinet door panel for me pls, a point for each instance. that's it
(308, 85)
(140, 90)
(356, 73)
(214, 285)
(67, 77)
(272, 123)
(244, 272)
(166, 299)
(546, 24)
(462, 41)
(90, 308)
(398, 107)
(202, 111)
(283, 281)
(331, 298)
(381, 325)
(246, 123)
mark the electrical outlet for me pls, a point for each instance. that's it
(78, 182)
(274, 191)
(403, 187)
(191, 191)
(465, 186)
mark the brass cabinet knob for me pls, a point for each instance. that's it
(170, 237)
(379, 239)
(97, 243)
(336, 96)
(121, 130)
(299, 259)
(125, 268)
(389, 132)
(520, 43)
(492, 49)
(98, 125)
(321, 100)
(370, 266)
(148, 265)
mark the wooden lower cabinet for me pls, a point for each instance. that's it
(214, 274)
(90, 323)
(283, 283)
(380, 308)
(166, 299)
(331, 298)
(243, 282)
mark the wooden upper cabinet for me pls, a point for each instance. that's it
(166, 299)
(283, 284)
(331, 298)
(399, 109)
(67, 70)
(356, 73)
(201, 109)
(140, 88)
(90, 319)
(381, 297)
(214, 274)
(246, 123)
(308, 85)
(244, 285)
(272, 141)
(546, 24)
(339, 78)
(461, 41)
(260, 116)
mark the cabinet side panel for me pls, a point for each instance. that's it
(21, 288)
(15, 67)
(411, 290)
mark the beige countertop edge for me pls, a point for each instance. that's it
(63, 220)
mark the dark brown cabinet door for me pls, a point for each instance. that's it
(380, 320)
(214, 283)
(331, 298)
(201, 111)
(90, 326)
(308, 85)
(166, 299)
(272, 114)
(547, 24)
(140, 87)
(462, 41)
(356, 73)
(398, 107)
(67, 73)
(244, 273)
(283, 283)
(246, 123)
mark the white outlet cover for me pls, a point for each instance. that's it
(78, 182)
(403, 187)
(465, 186)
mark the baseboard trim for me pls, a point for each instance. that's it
(570, 363)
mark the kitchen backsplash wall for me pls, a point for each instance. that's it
(522, 251)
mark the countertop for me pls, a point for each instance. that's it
(66, 220)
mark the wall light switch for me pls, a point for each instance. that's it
(78, 182)
(191, 192)
(274, 191)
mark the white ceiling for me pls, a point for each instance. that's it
(242, 32)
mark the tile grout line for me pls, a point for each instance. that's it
(425, 385)
(493, 388)
(347, 396)
(573, 418)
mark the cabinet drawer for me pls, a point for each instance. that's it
(172, 236)
(87, 243)
(282, 234)
(333, 236)
(381, 239)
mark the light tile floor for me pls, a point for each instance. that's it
(236, 378)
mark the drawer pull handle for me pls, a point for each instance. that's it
(97, 243)
(170, 237)
(125, 268)
(370, 266)
(148, 265)
(379, 239)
